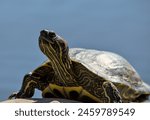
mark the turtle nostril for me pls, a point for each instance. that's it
(44, 33)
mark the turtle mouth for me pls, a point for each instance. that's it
(48, 36)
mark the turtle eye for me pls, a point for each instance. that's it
(51, 34)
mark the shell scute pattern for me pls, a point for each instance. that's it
(106, 64)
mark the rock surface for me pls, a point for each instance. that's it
(47, 100)
(40, 100)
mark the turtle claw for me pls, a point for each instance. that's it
(15, 95)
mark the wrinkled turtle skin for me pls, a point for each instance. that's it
(82, 74)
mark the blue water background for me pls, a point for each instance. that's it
(121, 26)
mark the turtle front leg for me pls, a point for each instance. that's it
(38, 79)
(28, 87)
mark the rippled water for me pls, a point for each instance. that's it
(121, 26)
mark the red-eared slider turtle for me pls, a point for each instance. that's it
(82, 74)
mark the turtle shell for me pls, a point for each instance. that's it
(110, 66)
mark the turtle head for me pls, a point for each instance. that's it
(54, 47)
